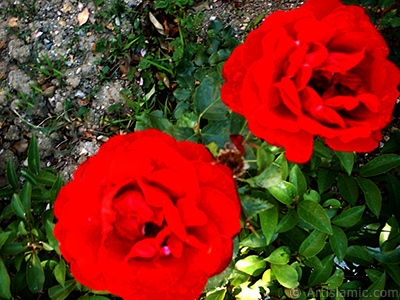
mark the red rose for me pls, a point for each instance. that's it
(148, 218)
(322, 70)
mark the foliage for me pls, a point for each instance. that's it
(309, 231)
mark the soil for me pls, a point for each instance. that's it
(52, 31)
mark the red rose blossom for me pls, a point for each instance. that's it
(148, 218)
(322, 70)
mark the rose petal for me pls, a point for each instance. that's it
(289, 95)
(212, 201)
(168, 180)
(145, 248)
(191, 215)
(357, 144)
(341, 62)
(321, 8)
(174, 221)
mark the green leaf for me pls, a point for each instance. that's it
(288, 221)
(13, 249)
(270, 177)
(33, 156)
(46, 178)
(312, 195)
(182, 94)
(375, 290)
(4, 237)
(313, 244)
(17, 206)
(313, 262)
(254, 240)
(335, 280)
(269, 221)
(349, 217)
(216, 295)
(358, 255)
(391, 257)
(11, 175)
(319, 276)
(264, 159)
(338, 242)
(380, 165)
(280, 256)
(372, 195)
(49, 226)
(325, 179)
(346, 160)
(312, 213)
(25, 195)
(4, 282)
(253, 206)
(286, 275)
(206, 100)
(284, 192)
(35, 274)
(297, 178)
(252, 265)
(60, 292)
(348, 187)
(60, 271)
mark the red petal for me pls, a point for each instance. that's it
(341, 62)
(221, 210)
(321, 8)
(289, 95)
(145, 248)
(174, 221)
(191, 215)
(358, 144)
(168, 180)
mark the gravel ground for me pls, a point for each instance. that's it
(53, 32)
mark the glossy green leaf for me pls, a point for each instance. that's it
(253, 206)
(264, 159)
(280, 256)
(216, 295)
(346, 160)
(206, 100)
(33, 156)
(338, 242)
(390, 257)
(17, 206)
(286, 275)
(282, 162)
(268, 178)
(26, 195)
(11, 175)
(313, 244)
(254, 240)
(60, 292)
(313, 262)
(12, 249)
(35, 274)
(375, 290)
(372, 195)
(349, 217)
(313, 196)
(46, 178)
(297, 178)
(252, 265)
(4, 282)
(284, 192)
(348, 187)
(3, 237)
(49, 226)
(380, 165)
(326, 178)
(358, 255)
(288, 221)
(335, 280)
(312, 213)
(318, 276)
(269, 221)
(60, 271)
